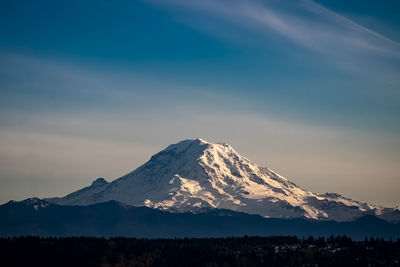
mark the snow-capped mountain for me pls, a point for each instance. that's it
(193, 175)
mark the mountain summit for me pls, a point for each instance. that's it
(194, 175)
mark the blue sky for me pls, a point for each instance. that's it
(308, 88)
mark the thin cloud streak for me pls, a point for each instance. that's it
(311, 25)
(319, 9)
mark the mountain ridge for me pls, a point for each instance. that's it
(112, 218)
(196, 174)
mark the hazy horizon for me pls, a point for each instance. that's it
(307, 88)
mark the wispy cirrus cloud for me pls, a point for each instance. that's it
(310, 25)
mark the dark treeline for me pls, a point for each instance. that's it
(244, 251)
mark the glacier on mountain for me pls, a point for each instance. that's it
(193, 175)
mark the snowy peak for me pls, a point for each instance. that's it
(185, 144)
(193, 149)
(195, 175)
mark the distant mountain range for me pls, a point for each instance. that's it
(38, 217)
(196, 189)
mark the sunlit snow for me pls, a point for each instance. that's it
(195, 174)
